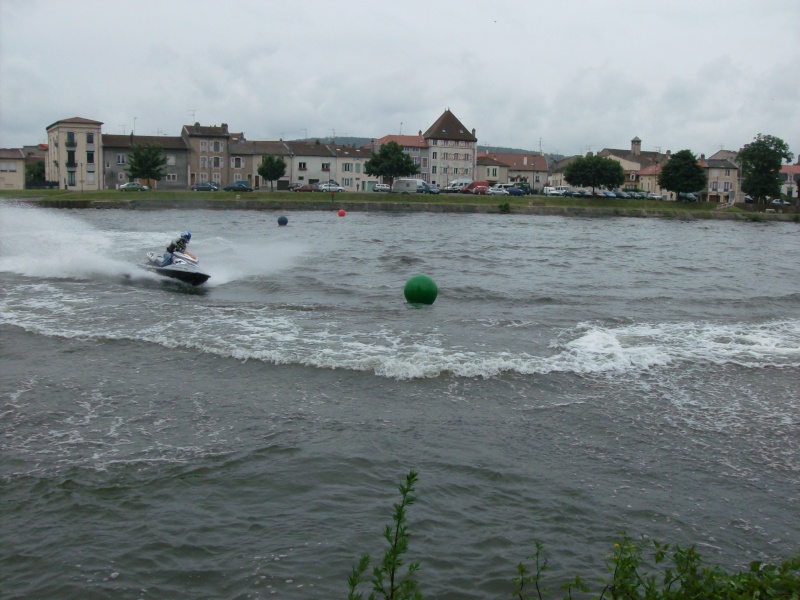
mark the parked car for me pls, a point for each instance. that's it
(432, 188)
(382, 187)
(468, 189)
(522, 185)
(551, 191)
(688, 197)
(307, 187)
(608, 194)
(133, 186)
(779, 202)
(749, 200)
(497, 190)
(479, 190)
(294, 185)
(516, 191)
(238, 186)
(330, 187)
(652, 196)
(204, 186)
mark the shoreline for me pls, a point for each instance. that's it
(532, 208)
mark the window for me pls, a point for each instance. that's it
(445, 156)
(358, 167)
(120, 176)
(216, 178)
(171, 177)
(727, 186)
(203, 162)
(90, 158)
(217, 162)
(237, 177)
(90, 138)
(536, 179)
(71, 158)
(444, 170)
(434, 155)
(347, 182)
(424, 162)
(90, 177)
(71, 140)
(301, 166)
(237, 162)
(713, 186)
(9, 166)
(415, 149)
(70, 177)
(433, 170)
(415, 160)
(494, 172)
(462, 144)
(347, 167)
(727, 172)
(120, 159)
(217, 146)
(203, 177)
(171, 160)
(203, 146)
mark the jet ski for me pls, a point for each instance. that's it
(184, 267)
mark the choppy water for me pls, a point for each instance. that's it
(573, 379)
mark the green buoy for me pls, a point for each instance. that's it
(421, 289)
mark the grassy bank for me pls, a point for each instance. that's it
(381, 202)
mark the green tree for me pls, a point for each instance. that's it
(682, 174)
(34, 172)
(271, 169)
(594, 171)
(761, 161)
(391, 162)
(146, 161)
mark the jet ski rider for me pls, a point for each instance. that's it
(178, 244)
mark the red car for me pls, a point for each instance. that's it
(308, 187)
(480, 189)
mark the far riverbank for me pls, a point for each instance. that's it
(286, 201)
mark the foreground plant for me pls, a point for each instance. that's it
(386, 580)
(675, 573)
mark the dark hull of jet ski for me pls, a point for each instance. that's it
(180, 270)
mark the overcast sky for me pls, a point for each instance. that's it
(567, 76)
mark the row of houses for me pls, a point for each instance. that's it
(79, 156)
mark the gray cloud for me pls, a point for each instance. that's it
(577, 74)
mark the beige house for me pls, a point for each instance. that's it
(722, 178)
(648, 180)
(12, 169)
(350, 167)
(453, 150)
(527, 167)
(75, 154)
(490, 169)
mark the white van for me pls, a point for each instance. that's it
(409, 186)
(551, 191)
(457, 185)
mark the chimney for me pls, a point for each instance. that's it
(636, 146)
(702, 157)
(225, 128)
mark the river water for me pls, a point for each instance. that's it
(574, 378)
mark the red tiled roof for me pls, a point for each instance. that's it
(206, 130)
(12, 153)
(74, 121)
(520, 161)
(448, 127)
(260, 148)
(406, 141)
(126, 141)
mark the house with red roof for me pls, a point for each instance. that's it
(790, 174)
(522, 167)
